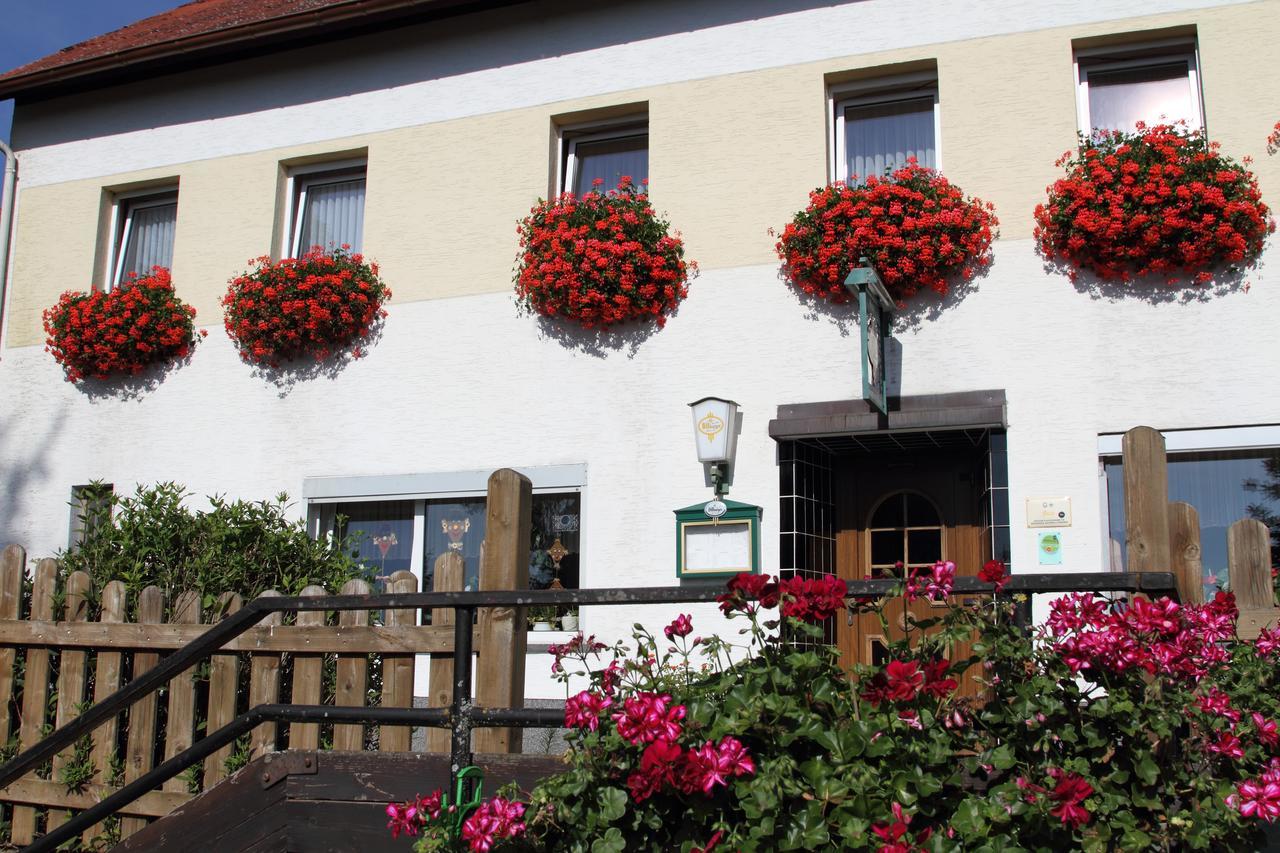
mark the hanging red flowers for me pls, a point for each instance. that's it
(1160, 201)
(312, 306)
(916, 228)
(601, 259)
(122, 331)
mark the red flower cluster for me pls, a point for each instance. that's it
(1160, 637)
(123, 331)
(805, 599)
(1159, 201)
(494, 821)
(313, 306)
(916, 228)
(895, 835)
(601, 259)
(904, 681)
(994, 572)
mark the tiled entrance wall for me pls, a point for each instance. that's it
(995, 498)
(807, 513)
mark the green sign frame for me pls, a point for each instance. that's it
(875, 310)
(736, 513)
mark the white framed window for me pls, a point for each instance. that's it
(90, 511)
(1153, 83)
(1227, 474)
(325, 207)
(143, 225)
(878, 125)
(604, 152)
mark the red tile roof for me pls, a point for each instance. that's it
(203, 30)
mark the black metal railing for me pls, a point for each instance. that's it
(462, 716)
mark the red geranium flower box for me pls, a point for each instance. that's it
(122, 331)
(915, 227)
(1160, 201)
(310, 306)
(600, 259)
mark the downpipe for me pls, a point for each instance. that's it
(6, 226)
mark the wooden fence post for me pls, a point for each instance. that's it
(223, 678)
(179, 728)
(141, 745)
(35, 689)
(308, 679)
(107, 681)
(503, 566)
(264, 687)
(448, 577)
(397, 670)
(353, 675)
(1184, 552)
(1249, 570)
(71, 681)
(12, 560)
(1146, 500)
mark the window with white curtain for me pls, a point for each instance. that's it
(1224, 484)
(327, 208)
(143, 235)
(1116, 91)
(880, 126)
(605, 155)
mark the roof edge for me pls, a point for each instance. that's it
(344, 20)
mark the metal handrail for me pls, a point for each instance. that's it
(462, 716)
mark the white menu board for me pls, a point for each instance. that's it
(722, 547)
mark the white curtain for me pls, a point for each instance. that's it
(1120, 99)
(333, 215)
(880, 137)
(149, 241)
(609, 160)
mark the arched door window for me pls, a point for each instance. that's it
(905, 530)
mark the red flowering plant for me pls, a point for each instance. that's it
(1161, 201)
(601, 259)
(1119, 725)
(101, 334)
(918, 230)
(312, 306)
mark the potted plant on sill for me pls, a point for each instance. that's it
(569, 620)
(542, 618)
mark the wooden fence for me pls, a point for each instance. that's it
(55, 660)
(1165, 536)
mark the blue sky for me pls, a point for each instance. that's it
(30, 29)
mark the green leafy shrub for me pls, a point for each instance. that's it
(1119, 725)
(152, 538)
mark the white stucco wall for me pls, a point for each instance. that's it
(466, 383)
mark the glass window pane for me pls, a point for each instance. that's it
(333, 215)
(1120, 99)
(609, 160)
(454, 525)
(556, 519)
(889, 513)
(379, 532)
(149, 241)
(924, 546)
(1223, 486)
(920, 512)
(886, 547)
(880, 137)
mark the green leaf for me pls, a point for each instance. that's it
(613, 804)
(1147, 770)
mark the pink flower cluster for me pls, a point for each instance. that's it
(407, 817)
(494, 821)
(934, 584)
(1068, 795)
(664, 764)
(903, 681)
(1160, 637)
(583, 711)
(1259, 798)
(896, 833)
(648, 717)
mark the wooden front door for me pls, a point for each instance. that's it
(911, 507)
